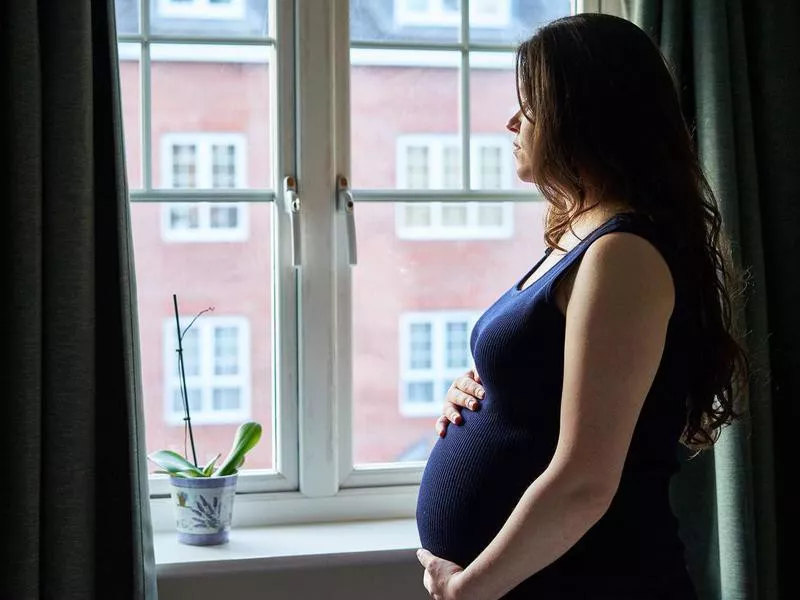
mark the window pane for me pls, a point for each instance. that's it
(493, 101)
(420, 392)
(454, 215)
(211, 116)
(451, 156)
(420, 353)
(183, 163)
(184, 216)
(405, 119)
(226, 399)
(129, 78)
(127, 16)
(509, 21)
(398, 282)
(209, 18)
(418, 168)
(224, 217)
(223, 166)
(417, 215)
(434, 21)
(491, 215)
(490, 167)
(228, 352)
(195, 399)
(457, 345)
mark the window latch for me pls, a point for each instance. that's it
(291, 204)
(346, 207)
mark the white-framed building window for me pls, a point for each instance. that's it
(434, 350)
(216, 360)
(202, 9)
(438, 13)
(434, 162)
(204, 161)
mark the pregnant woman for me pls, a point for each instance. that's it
(591, 367)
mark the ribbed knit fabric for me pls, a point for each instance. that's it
(477, 473)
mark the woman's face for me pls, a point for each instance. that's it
(523, 145)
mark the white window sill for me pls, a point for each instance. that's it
(280, 547)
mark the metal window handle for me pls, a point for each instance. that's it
(346, 206)
(291, 204)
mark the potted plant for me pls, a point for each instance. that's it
(202, 497)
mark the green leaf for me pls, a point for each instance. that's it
(174, 464)
(247, 436)
(209, 468)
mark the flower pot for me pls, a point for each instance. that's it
(203, 508)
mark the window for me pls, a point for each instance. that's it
(434, 351)
(434, 162)
(483, 13)
(216, 352)
(204, 161)
(218, 112)
(202, 9)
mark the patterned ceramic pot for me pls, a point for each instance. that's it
(203, 508)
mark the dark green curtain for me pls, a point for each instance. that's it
(73, 489)
(737, 64)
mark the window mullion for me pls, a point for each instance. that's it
(319, 472)
(464, 97)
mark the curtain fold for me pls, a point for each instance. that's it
(74, 493)
(725, 54)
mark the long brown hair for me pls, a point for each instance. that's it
(607, 125)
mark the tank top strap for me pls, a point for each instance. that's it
(624, 222)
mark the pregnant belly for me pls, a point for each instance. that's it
(473, 480)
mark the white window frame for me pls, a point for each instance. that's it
(207, 380)
(437, 15)
(437, 230)
(314, 478)
(202, 9)
(204, 232)
(439, 373)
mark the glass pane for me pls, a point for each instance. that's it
(491, 215)
(432, 21)
(509, 21)
(421, 342)
(420, 392)
(405, 119)
(431, 283)
(195, 399)
(226, 399)
(210, 18)
(493, 101)
(457, 345)
(454, 215)
(129, 80)
(417, 215)
(224, 216)
(211, 116)
(184, 216)
(190, 345)
(228, 352)
(127, 16)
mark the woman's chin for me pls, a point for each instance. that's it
(524, 174)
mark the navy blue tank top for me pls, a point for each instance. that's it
(477, 473)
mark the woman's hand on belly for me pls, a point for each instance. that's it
(441, 577)
(465, 392)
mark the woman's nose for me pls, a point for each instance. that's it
(513, 123)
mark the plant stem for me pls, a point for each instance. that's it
(184, 391)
